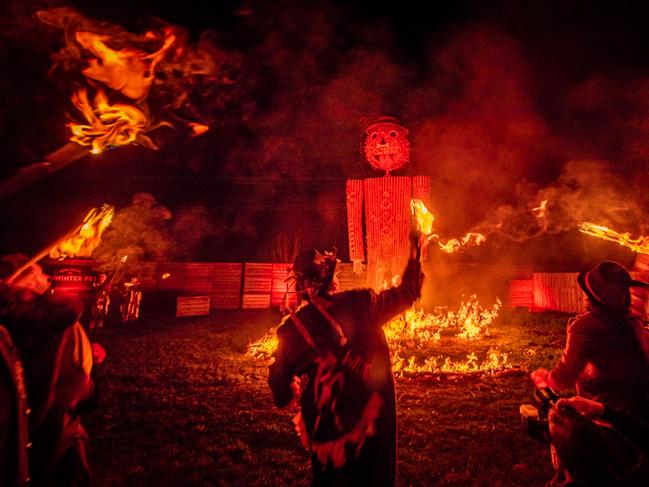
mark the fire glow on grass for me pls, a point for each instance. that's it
(414, 334)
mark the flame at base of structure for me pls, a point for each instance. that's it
(413, 335)
(470, 321)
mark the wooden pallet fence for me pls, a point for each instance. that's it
(198, 278)
(172, 275)
(226, 285)
(281, 287)
(257, 285)
(558, 292)
(262, 285)
(193, 306)
(521, 293)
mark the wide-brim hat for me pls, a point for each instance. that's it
(608, 284)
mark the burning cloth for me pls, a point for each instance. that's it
(336, 347)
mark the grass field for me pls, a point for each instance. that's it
(182, 403)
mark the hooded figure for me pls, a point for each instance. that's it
(333, 357)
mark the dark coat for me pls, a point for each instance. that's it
(360, 314)
(606, 359)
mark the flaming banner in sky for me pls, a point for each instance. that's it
(639, 245)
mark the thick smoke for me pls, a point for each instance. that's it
(477, 121)
(497, 127)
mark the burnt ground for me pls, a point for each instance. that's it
(182, 403)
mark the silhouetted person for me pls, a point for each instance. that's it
(335, 346)
(606, 359)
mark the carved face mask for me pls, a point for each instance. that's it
(386, 146)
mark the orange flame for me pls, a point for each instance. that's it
(425, 220)
(108, 125)
(87, 237)
(129, 71)
(639, 245)
(414, 332)
(198, 128)
(540, 211)
(469, 240)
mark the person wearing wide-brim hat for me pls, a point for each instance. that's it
(606, 357)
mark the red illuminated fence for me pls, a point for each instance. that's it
(557, 291)
(233, 285)
(263, 285)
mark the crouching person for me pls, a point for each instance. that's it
(332, 351)
(599, 445)
(606, 359)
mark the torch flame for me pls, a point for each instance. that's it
(423, 217)
(639, 245)
(425, 220)
(108, 125)
(414, 332)
(129, 71)
(87, 237)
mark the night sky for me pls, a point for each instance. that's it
(506, 102)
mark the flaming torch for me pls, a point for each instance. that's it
(425, 220)
(115, 63)
(80, 242)
(639, 245)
